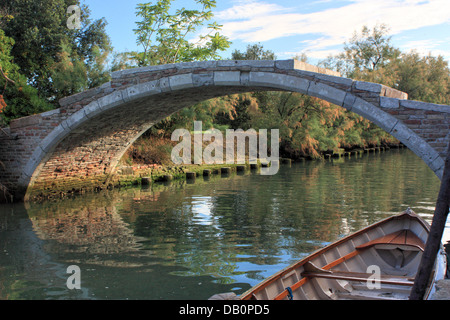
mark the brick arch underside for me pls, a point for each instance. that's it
(87, 157)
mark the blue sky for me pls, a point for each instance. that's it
(317, 28)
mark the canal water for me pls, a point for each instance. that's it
(192, 240)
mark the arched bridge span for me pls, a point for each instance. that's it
(78, 145)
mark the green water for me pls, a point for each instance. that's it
(190, 241)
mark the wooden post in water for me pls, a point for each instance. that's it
(190, 175)
(435, 236)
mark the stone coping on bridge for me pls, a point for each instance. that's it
(132, 76)
(394, 103)
(269, 65)
(216, 65)
(390, 98)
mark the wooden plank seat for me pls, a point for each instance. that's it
(403, 239)
(356, 276)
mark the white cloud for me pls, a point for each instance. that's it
(426, 47)
(258, 21)
(247, 10)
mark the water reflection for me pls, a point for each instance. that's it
(190, 241)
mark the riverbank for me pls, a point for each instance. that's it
(145, 174)
(128, 174)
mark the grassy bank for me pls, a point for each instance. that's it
(149, 161)
(141, 174)
(130, 174)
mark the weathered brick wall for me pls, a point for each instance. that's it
(11, 163)
(18, 142)
(78, 145)
(432, 126)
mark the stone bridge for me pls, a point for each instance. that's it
(78, 145)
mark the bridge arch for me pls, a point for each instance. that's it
(92, 130)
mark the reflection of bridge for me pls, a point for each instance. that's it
(78, 145)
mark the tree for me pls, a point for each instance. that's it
(424, 78)
(365, 54)
(371, 49)
(43, 40)
(69, 72)
(369, 56)
(167, 38)
(306, 124)
(253, 52)
(17, 98)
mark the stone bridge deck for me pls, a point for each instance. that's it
(78, 145)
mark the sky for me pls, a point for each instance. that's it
(317, 28)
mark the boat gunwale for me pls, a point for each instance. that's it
(247, 295)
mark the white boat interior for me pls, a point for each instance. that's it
(378, 262)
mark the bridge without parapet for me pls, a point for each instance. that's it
(79, 145)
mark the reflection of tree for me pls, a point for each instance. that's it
(85, 227)
(27, 270)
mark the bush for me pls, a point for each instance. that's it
(150, 150)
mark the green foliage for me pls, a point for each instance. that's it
(423, 78)
(17, 98)
(97, 71)
(37, 30)
(238, 114)
(164, 37)
(123, 61)
(69, 72)
(167, 38)
(371, 49)
(154, 150)
(365, 53)
(369, 56)
(205, 111)
(253, 52)
(44, 46)
(309, 126)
